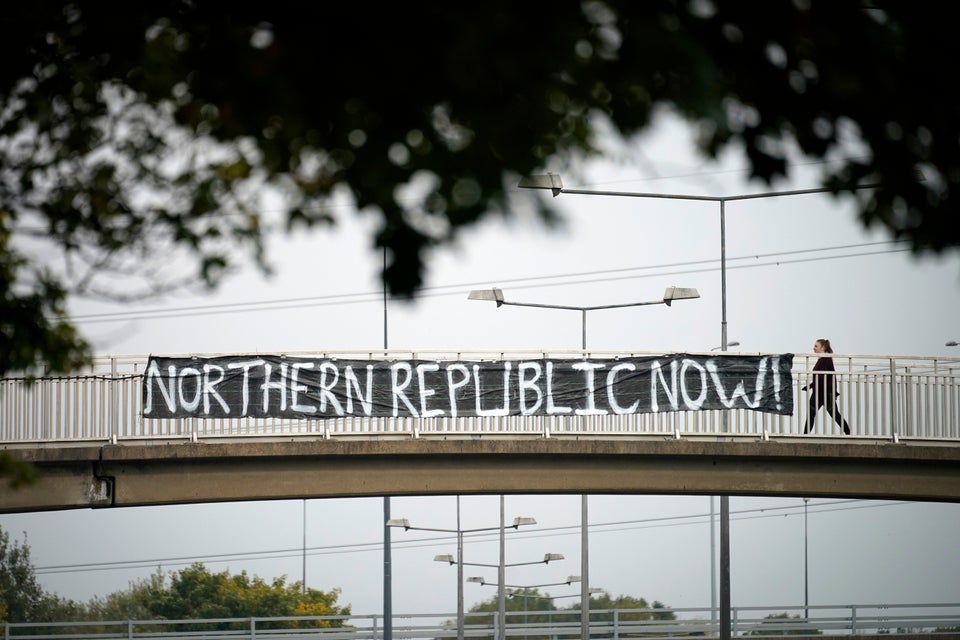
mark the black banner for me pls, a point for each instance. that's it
(284, 387)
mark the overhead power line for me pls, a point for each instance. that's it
(566, 279)
(432, 541)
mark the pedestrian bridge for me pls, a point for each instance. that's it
(88, 436)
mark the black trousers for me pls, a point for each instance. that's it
(828, 401)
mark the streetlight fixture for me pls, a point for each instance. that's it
(483, 581)
(952, 343)
(729, 344)
(553, 183)
(517, 523)
(518, 593)
(669, 295)
(547, 558)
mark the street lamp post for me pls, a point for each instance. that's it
(496, 295)
(304, 559)
(554, 184)
(517, 523)
(806, 566)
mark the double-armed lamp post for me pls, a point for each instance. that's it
(517, 523)
(496, 295)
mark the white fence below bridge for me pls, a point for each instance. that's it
(881, 396)
(937, 621)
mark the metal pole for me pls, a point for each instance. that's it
(387, 568)
(304, 568)
(585, 571)
(387, 576)
(384, 298)
(806, 566)
(501, 578)
(723, 276)
(724, 567)
(583, 330)
(459, 575)
(724, 499)
(584, 535)
(713, 562)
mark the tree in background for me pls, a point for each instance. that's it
(22, 599)
(147, 144)
(531, 601)
(192, 593)
(195, 592)
(627, 605)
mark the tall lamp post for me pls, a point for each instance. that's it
(554, 184)
(517, 523)
(806, 566)
(496, 295)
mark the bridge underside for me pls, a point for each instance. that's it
(118, 475)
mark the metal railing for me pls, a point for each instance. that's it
(881, 396)
(940, 620)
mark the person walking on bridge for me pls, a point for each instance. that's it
(823, 392)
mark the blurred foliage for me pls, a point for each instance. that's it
(17, 472)
(139, 139)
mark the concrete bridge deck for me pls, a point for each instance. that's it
(114, 475)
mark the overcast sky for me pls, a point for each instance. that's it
(799, 268)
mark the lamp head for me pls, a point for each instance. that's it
(399, 522)
(493, 295)
(520, 521)
(572, 579)
(952, 343)
(679, 293)
(549, 181)
(477, 579)
(552, 556)
(446, 557)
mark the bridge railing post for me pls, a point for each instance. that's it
(894, 409)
